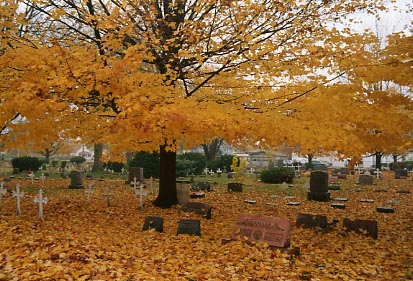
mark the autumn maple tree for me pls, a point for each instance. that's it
(151, 75)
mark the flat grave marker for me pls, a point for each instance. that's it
(198, 208)
(364, 200)
(385, 210)
(338, 205)
(400, 174)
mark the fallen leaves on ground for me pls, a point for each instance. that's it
(94, 241)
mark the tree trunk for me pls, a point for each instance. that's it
(47, 156)
(395, 156)
(378, 159)
(97, 163)
(211, 149)
(310, 158)
(167, 196)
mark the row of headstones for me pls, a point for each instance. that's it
(273, 230)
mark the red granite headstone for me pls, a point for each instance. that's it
(273, 230)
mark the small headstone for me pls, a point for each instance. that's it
(153, 223)
(403, 191)
(380, 190)
(40, 200)
(289, 197)
(108, 197)
(385, 210)
(394, 202)
(250, 201)
(342, 199)
(366, 227)
(333, 187)
(293, 203)
(275, 196)
(365, 179)
(342, 176)
(363, 200)
(344, 171)
(271, 204)
(76, 179)
(273, 230)
(338, 205)
(332, 179)
(319, 186)
(17, 193)
(311, 221)
(400, 174)
(198, 208)
(235, 187)
(284, 186)
(191, 227)
(204, 185)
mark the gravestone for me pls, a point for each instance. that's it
(311, 221)
(385, 210)
(320, 167)
(273, 230)
(344, 171)
(135, 172)
(319, 186)
(152, 222)
(363, 200)
(333, 187)
(235, 186)
(338, 205)
(191, 227)
(204, 185)
(365, 179)
(89, 191)
(183, 188)
(333, 179)
(198, 208)
(40, 200)
(108, 196)
(400, 174)
(405, 191)
(76, 179)
(17, 193)
(366, 227)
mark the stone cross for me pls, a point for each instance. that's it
(138, 188)
(40, 200)
(17, 193)
(108, 196)
(2, 191)
(89, 191)
(31, 175)
(378, 173)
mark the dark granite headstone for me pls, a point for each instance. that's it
(153, 223)
(333, 187)
(319, 186)
(344, 171)
(204, 185)
(400, 174)
(235, 186)
(385, 210)
(198, 208)
(366, 227)
(191, 227)
(311, 221)
(76, 179)
(338, 205)
(365, 179)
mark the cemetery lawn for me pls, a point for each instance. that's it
(92, 241)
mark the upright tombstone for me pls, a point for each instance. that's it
(365, 179)
(366, 227)
(76, 179)
(235, 187)
(152, 222)
(273, 230)
(135, 172)
(311, 221)
(182, 191)
(89, 191)
(2, 191)
(198, 208)
(319, 186)
(400, 174)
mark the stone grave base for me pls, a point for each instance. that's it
(291, 251)
(319, 196)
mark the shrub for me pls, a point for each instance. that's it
(77, 159)
(26, 163)
(198, 159)
(115, 166)
(185, 167)
(277, 175)
(401, 165)
(148, 161)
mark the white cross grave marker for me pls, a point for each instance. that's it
(378, 173)
(138, 189)
(2, 191)
(42, 179)
(31, 176)
(89, 191)
(17, 193)
(40, 200)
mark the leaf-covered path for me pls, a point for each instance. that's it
(81, 241)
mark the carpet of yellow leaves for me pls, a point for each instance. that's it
(81, 241)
